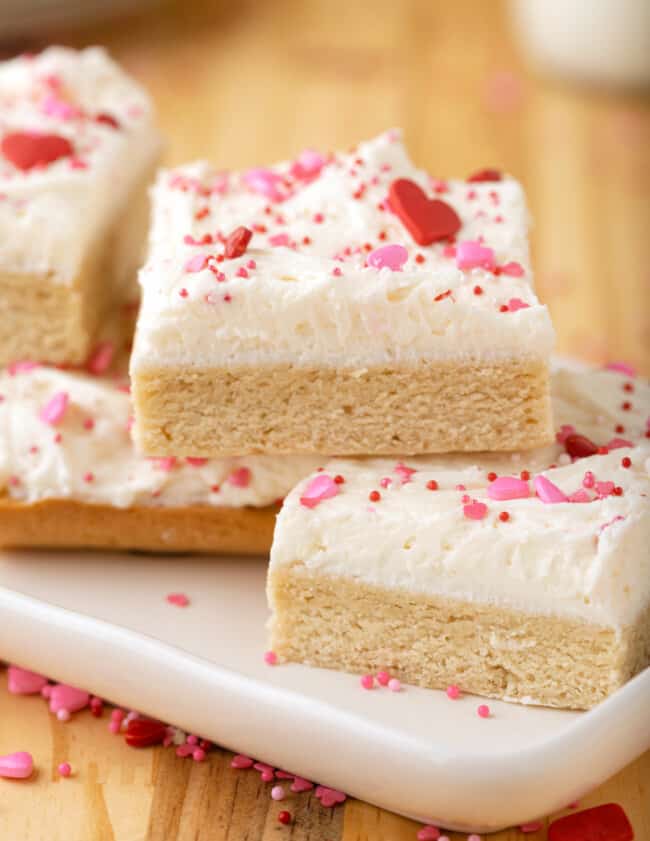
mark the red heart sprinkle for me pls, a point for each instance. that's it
(237, 242)
(142, 732)
(579, 446)
(27, 150)
(602, 823)
(485, 175)
(427, 220)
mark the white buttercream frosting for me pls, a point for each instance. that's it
(584, 559)
(303, 294)
(50, 216)
(88, 455)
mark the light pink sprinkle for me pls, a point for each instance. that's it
(622, 368)
(483, 711)
(579, 496)
(385, 482)
(68, 698)
(64, 769)
(508, 487)
(383, 678)
(240, 761)
(547, 491)
(240, 478)
(196, 263)
(192, 739)
(279, 240)
(101, 358)
(428, 833)
(196, 462)
(589, 480)
(308, 164)
(270, 657)
(515, 304)
(470, 254)
(475, 510)
(618, 443)
(166, 463)
(23, 682)
(198, 754)
(265, 182)
(604, 489)
(318, 489)
(17, 766)
(266, 771)
(277, 793)
(329, 796)
(299, 784)
(241, 272)
(513, 269)
(367, 681)
(54, 410)
(178, 599)
(390, 257)
(453, 692)
(405, 473)
(533, 826)
(21, 367)
(394, 685)
(59, 108)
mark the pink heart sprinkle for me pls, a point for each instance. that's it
(299, 785)
(475, 510)
(240, 478)
(622, 368)
(66, 697)
(267, 772)
(284, 775)
(515, 304)
(17, 765)
(319, 488)
(55, 409)
(547, 491)
(196, 263)
(471, 255)
(179, 599)
(579, 496)
(308, 164)
(508, 487)
(512, 269)
(390, 257)
(617, 443)
(241, 761)
(405, 473)
(428, 833)
(329, 796)
(23, 682)
(101, 358)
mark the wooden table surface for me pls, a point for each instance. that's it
(248, 83)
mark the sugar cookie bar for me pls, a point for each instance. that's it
(348, 305)
(70, 476)
(77, 149)
(522, 577)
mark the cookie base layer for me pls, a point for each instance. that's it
(434, 407)
(48, 321)
(435, 641)
(68, 524)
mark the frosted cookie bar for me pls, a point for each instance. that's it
(522, 577)
(77, 148)
(348, 305)
(70, 476)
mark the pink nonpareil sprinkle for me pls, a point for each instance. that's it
(64, 769)
(196, 263)
(240, 478)
(547, 491)
(483, 711)
(54, 410)
(270, 657)
(622, 368)
(101, 358)
(383, 678)
(428, 833)
(17, 766)
(453, 692)
(470, 254)
(515, 304)
(390, 257)
(512, 270)
(508, 487)
(277, 793)
(394, 685)
(178, 599)
(318, 489)
(475, 510)
(367, 681)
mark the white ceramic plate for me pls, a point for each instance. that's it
(102, 622)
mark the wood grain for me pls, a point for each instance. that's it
(249, 82)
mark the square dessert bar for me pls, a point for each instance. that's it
(523, 577)
(70, 476)
(345, 305)
(77, 148)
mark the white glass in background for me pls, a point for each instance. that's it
(599, 41)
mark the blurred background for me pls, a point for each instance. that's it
(553, 91)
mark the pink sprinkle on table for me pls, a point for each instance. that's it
(470, 254)
(453, 692)
(54, 410)
(475, 510)
(299, 785)
(329, 796)
(383, 678)
(428, 833)
(69, 698)
(101, 358)
(508, 487)
(390, 257)
(64, 769)
(318, 489)
(178, 599)
(547, 491)
(483, 711)
(394, 685)
(241, 762)
(17, 766)
(23, 682)
(367, 681)
(277, 793)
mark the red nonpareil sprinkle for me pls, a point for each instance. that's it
(432, 485)
(420, 258)
(504, 516)
(617, 490)
(319, 218)
(237, 242)
(619, 429)
(478, 290)
(339, 479)
(284, 817)
(491, 476)
(629, 387)
(626, 406)
(626, 462)
(89, 424)
(525, 475)
(183, 293)
(374, 496)
(89, 477)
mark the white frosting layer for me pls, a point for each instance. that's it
(41, 461)
(588, 560)
(50, 216)
(291, 306)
